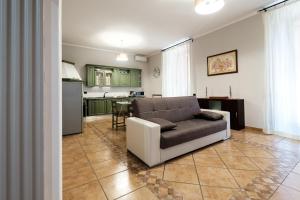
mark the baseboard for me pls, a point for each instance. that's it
(254, 128)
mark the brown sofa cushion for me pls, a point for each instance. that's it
(208, 116)
(190, 130)
(165, 125)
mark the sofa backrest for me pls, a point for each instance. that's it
(173, 109)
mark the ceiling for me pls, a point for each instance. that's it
(145, 26)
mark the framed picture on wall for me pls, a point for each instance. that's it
(223, 63)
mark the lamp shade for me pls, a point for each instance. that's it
(122, 57)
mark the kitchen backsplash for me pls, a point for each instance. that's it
(112, 92)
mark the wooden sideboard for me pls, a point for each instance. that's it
(234, 106)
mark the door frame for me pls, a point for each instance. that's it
(52, 56)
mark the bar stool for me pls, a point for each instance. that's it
(119, 113)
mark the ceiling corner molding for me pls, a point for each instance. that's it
(154, 53)
(226, 25)
(93, 48)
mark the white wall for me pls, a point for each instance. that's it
(248, 37)
(82, 56)
(156, 83)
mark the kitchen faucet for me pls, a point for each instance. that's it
(104, 94)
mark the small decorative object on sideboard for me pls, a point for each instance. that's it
(230, 92)
(224, 63)
(206, 92)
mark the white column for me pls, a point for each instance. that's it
(30, 99)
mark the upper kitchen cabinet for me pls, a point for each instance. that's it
(136, 78)
(112, 76)
(115, 78)
(103, 77)
(90, 76)
(98, 76)
(124, 77)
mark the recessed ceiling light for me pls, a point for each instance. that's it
(113, 39)
(205, 7)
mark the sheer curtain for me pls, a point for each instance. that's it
(176, 71)
(282, 29)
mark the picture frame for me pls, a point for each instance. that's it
(223, 63)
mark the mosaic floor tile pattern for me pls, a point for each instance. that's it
(249, 166)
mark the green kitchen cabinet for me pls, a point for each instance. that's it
(90, 76)
(100, 107)
(135, 78)
(124, 77)
(99, 75)
(90, 107)
(115, 77)
(108, 106)
(96, 107)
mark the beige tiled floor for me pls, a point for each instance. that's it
(96, 166)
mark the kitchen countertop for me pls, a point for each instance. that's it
(118, 97)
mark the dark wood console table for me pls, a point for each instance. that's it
(234, 106)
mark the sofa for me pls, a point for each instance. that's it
(145, 139)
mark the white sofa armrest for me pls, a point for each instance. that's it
(226, 118)
(143, 140)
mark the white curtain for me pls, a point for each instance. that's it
(282, 29)
(176, 71)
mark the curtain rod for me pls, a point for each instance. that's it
(190, 39)
(271, 6)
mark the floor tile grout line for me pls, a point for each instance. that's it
(182, 182)
(229, 171)
(281, 184)
(292, 156)
(198, 177)
(130, 192)
(71, 188)
(77, 186)
(298, 190)
(251, 158)
(163, 176)
(94, 173)
(236, 188)
(278, 184)
(125, 154)
(104, 177)
(274, 191)
(262, 145)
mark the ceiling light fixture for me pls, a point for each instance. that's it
(122, 57)
(112, 39)
(205, 7)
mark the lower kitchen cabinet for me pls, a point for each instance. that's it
(108, 106)
(99, 106)
(96, 107)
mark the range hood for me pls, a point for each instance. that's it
(69, 71)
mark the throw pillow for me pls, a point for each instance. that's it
(209, 116)
(165, 125)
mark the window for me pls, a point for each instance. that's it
(283, 70)
(176, 71)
